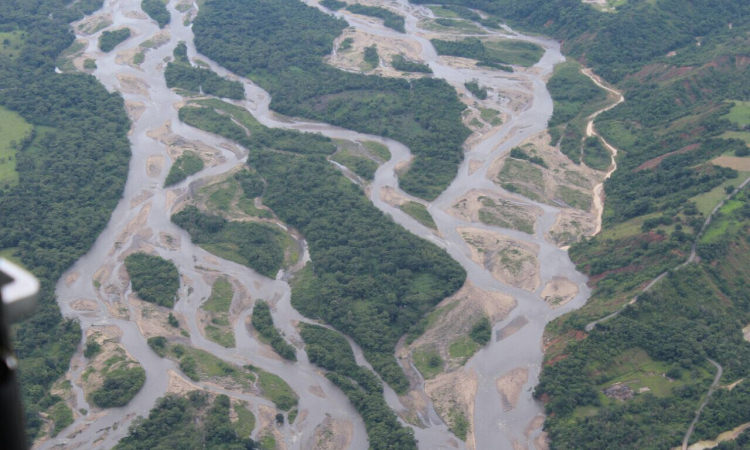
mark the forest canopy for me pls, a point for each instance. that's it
(281, 45)
(375, 275)
(154, 279)
(72, 172)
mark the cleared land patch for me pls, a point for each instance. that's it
(13, 130)
(740, 113)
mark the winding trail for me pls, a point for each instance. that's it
(719, 372)
(494, 427)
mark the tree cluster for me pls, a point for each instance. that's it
(157, 10)
(181, 74)
(263, 323)
(154, 279)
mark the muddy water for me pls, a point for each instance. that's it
(495, 428)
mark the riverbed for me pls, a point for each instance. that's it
(494, 426)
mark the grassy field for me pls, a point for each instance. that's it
(635, 369)
(268, 442)
(429, 363)
(723, 223)
(378, 149)
(706, 202)
(740, 113)
(200, 365)
(217, 305)
(420, 213)
(516, 52)
(448, 25)
(463, 347)
(13, 129)
(445, 13)
(521, 171)
(221, 296)
(11, 43)
(491, 116)
(276, 389)
(247, 205)
(222, 198)
(245, 421)
(220, 332)
(356, 162)
(10, 253)
(574, 198)
(741, 135)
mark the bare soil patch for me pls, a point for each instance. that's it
(92, 24)
(72, 278)
(510, 386)
(561, 183)
(178, 385)
(570, 226)
(559, 291)
(85, 305)
(177, 145)
(393, 198)
(332, 434)
(512, 328)
(352, 58)
(456, 315)
(494, 209)
(134, 110)
(130, 84)
(453, 395)
(509, 260)
(154, 165)
(153, 320)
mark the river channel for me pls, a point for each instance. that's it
(495, 428)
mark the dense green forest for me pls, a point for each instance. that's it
(616, 44)
(119, 387)
(263, 323)
(256, 245)
(390, 19)
(111, 39)
(189, 163)
(371, 57)
(281, 45)
(154, 279)
(472, 48)
(333, 5)
(181, 74)
(400, 63)
(329, 350)
(193, 422)
(378, 279)
(71, 174)
(157, 10)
